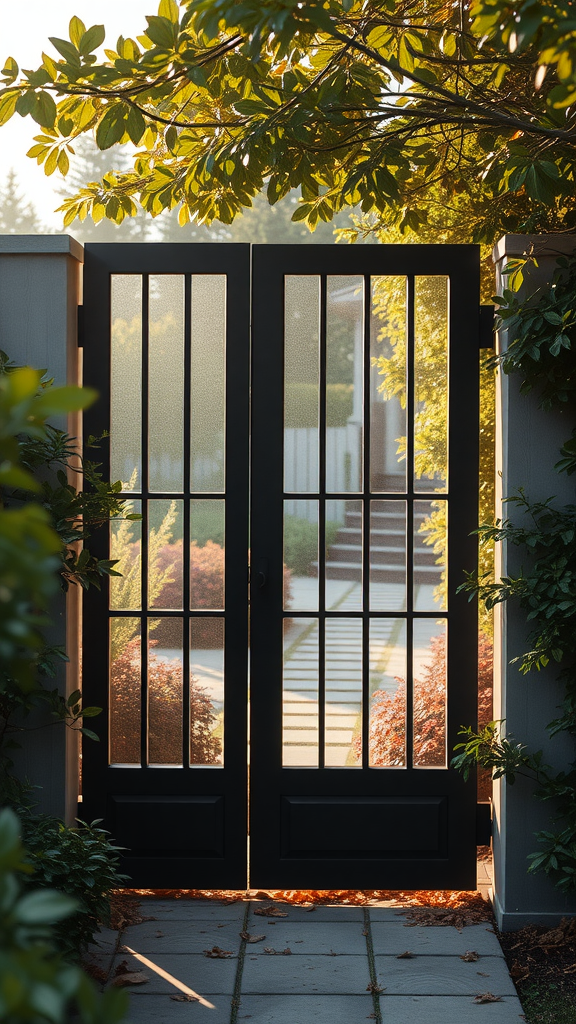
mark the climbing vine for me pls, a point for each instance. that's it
(542, 350)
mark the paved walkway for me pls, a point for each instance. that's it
(328, 965)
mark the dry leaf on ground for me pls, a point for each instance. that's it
(270, 911)
(218, 954)
(487, 997)
(251, 938)
(287, 952)
(131, 978)
(407, 955)
(482, 974)
(181, 998)
(269, 950)
(470, 956)
(374, 987)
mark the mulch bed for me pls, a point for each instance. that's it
(543, 957)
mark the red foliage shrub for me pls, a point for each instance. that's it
(387, 734)
(164, 712)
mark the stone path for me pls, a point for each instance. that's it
(343, 967)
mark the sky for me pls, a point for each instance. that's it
(25, 28)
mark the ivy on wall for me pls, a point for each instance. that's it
(542, 349)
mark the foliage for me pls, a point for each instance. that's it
(543, 333)
(17, 217)
(301, 544)
(164, 712)
(80, 862)
(387, 736)
(352, 102)
(43, 521)
(36, 984)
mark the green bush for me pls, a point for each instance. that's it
(37, 986)
(80, 862)
(301, 544)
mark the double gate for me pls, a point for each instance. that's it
(310, 411)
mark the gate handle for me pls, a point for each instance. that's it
(263, 574)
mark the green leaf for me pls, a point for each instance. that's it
(91, 712)
(161, 31)
(66, 49)
(77, 29)
(91, 735)
(44, 111)
(112, 126)
(43, 907)
(169, 9)
(92, 39)
(65, 399)
(8, 104)
(135, 125)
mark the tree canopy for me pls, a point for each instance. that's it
(374, 104)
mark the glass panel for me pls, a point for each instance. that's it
(126, 381)
(166, 426)
(208, 382)
(388, 329)
(165, 524)
(207, 691)
(344, 383)
(343, 701)
(301, 383)
(430, 692)
(431, 383)
(125, 697)
(301, 555)
(388, 556)
(387, 730)
(125, 541)
(165, 668)
(430, 555)
(300, 694)
(344, 555)
(207, 553)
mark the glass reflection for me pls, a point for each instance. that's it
(125, 691)
(166, 398)
(388, 661)
(126, 381)
(207, 692)
(388, 329)
(343, 693)
(301, 383)
(300, 694)
(165, 668)
(431, 312)
(344, 555)
(344, 383)
(430, 694)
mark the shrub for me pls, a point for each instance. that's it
(165, 712)
(80, 862)
(388, 713)
(301, 544)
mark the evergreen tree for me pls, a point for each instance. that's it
(17, 217)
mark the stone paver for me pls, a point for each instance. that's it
(338, 956)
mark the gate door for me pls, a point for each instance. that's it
(364, 484)
(166, 342)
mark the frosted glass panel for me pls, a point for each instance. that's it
(387, 730)
(126, 380)
(125, 541)
(165, 668)
(207, 553)
(165, 525)
(431, 383)
(344, 536)
(125, 688)
(207, 692)
(430, 693)
(301, 555)
(344, 383)
(301, 383)
(388, 331)
(343, 700)
(388, 556)
(166, 425)
(208, 381)
(430, 555)
(300, 694)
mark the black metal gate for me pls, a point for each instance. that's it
(364, 484)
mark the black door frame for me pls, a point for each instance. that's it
(305, 800)
(159, 812)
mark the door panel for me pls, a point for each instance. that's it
(165, 648)
(364, 449)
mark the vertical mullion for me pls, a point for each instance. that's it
(322, 533)
(145, 529)
(186, 520)
(366, 530)
(410, 413)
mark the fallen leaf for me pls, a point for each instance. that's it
(251, 938)
(470, 956)
(483, 974)
(407, 955)
(268, 949)
(183, 999)
(159, 935)
(287, 952)
(310, 909)
(131, 978)
(519, 971)
(374, 987)
(270, 911)
(487, 997)
(217, 954)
